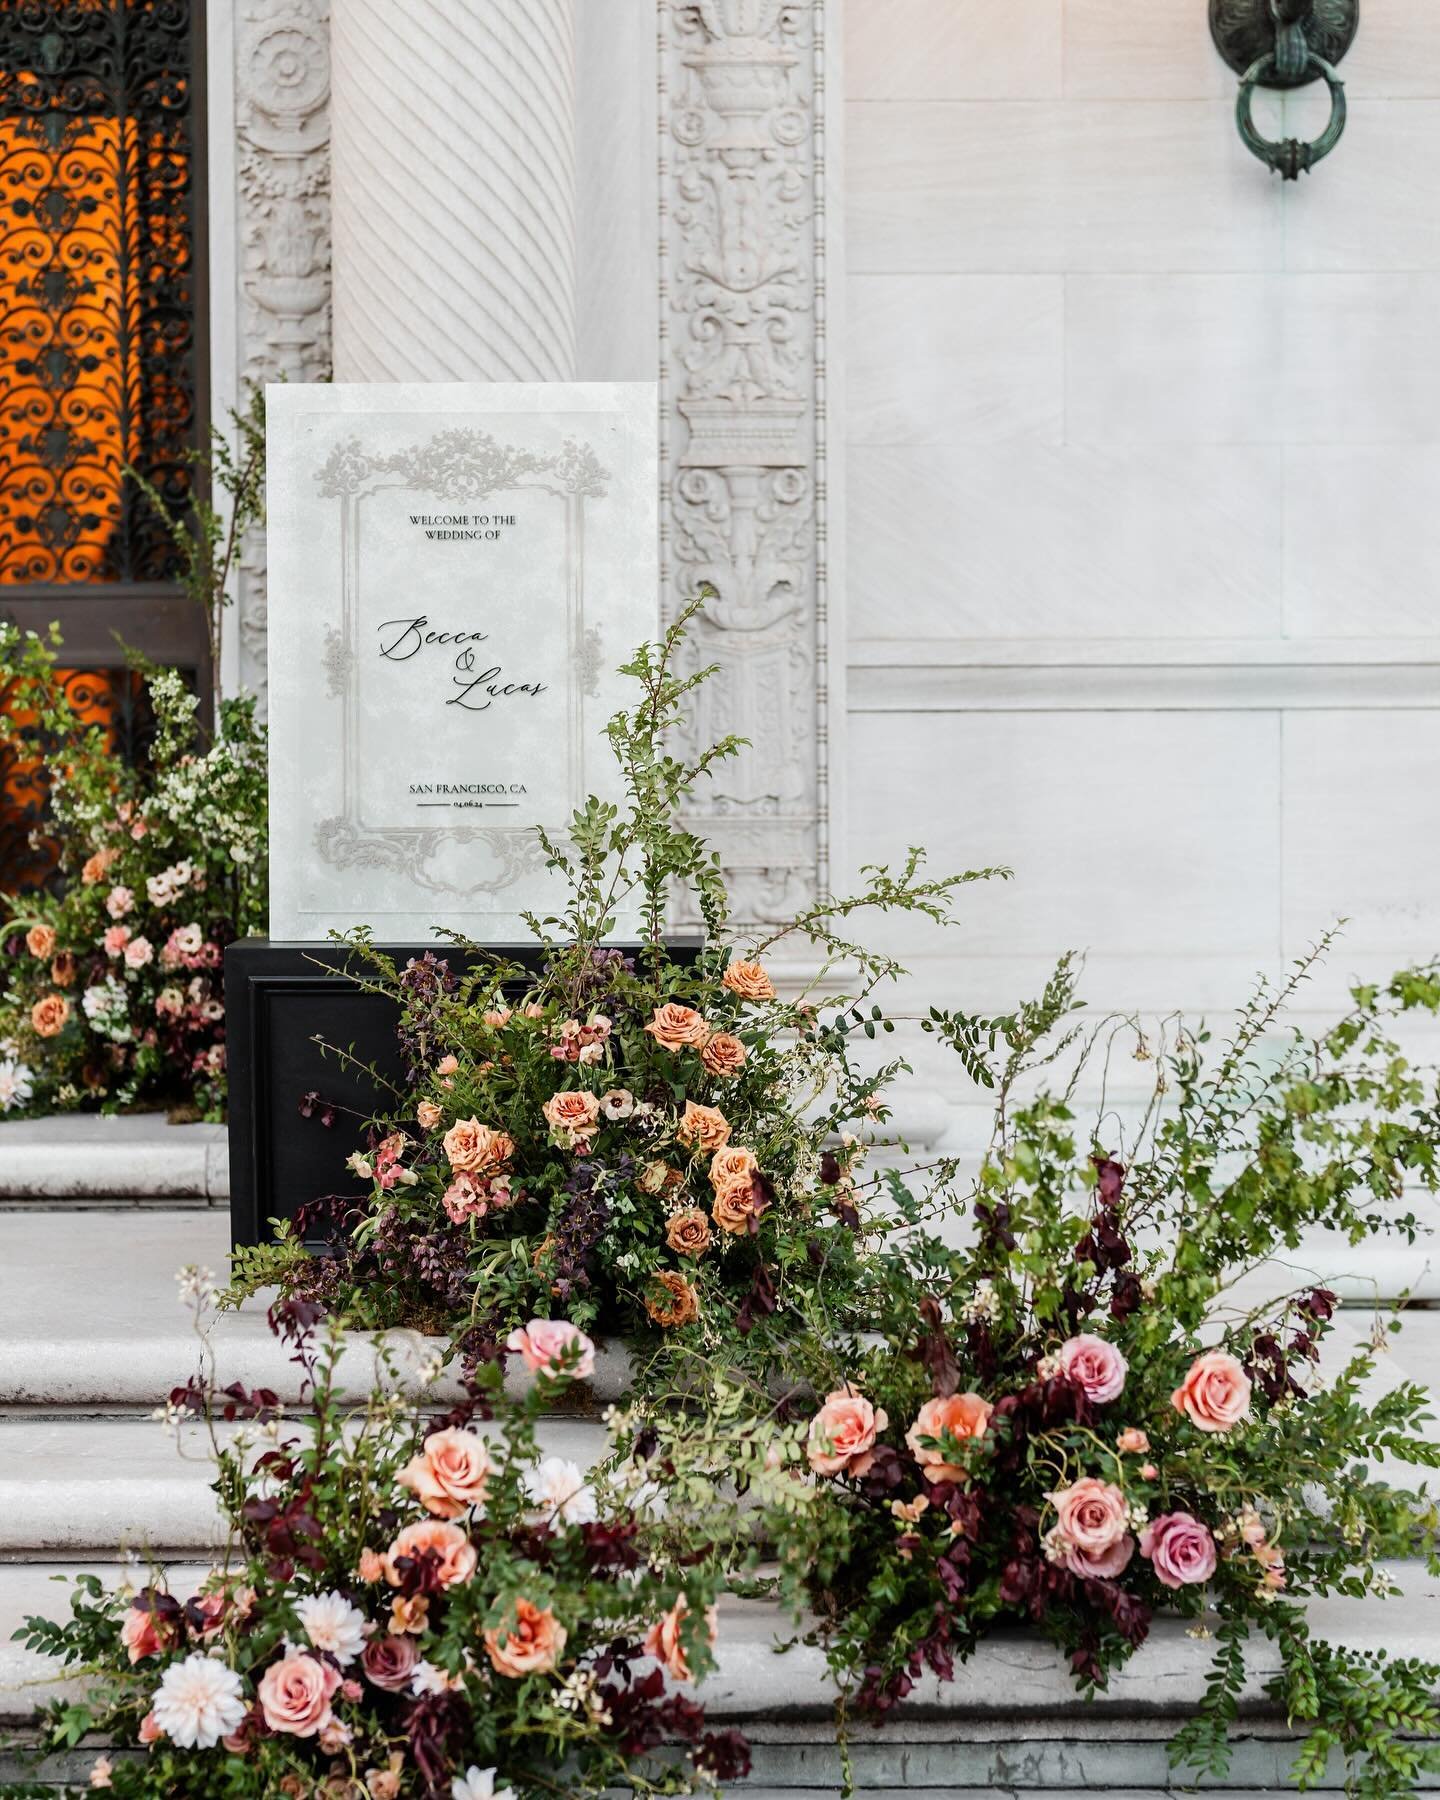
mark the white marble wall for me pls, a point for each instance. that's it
(1142, 456)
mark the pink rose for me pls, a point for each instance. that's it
(115, 939)
(451, 1474)
(1091, 1517)
(1215, 1394)
(541, 1342)
(1132, 1442)
(1181, 1549)
(150, 1731)
(118, 902)
(1094, 1365)
(138, 952)
(960, 1416)
(428, 1114)
(842, 1434)
(295, 1695)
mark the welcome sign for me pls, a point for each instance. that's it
(456, 572)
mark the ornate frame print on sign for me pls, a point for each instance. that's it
(457, 466)
(519, 524)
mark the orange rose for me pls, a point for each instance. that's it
(428, 1115)
(703, 1127)
(96, 867)
(727, 1167)
(677, 1304)
(451, 1474)
(531, 1646)
(960, 1416)
(678, 1027)
(475, 1148)
(733, 1208)
(663, 1640)
(688, 1232)
(453, 1553)
(573, 1114)
(40, 940)
(841, 1439)
(49, 1014)
(723, 1056)
(749, 981)
(62, 970)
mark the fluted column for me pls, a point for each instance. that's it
(453, 144)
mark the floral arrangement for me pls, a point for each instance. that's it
(410, 1606)
(112, 989)
(1069, 1423)
(657, 1143)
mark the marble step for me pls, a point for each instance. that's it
(73, 1487)
(135, 1158)
(1011, 1722)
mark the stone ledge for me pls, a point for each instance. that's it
(131, 1156)
(1013, 1681)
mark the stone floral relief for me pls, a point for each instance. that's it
(740, 375)
(282, 92)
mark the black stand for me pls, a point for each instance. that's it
(279, 999)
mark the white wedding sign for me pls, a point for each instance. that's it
(456, 571)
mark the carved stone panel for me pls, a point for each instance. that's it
(743, 477)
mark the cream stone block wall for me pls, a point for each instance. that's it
(1142, 461)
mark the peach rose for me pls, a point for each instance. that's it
(678, 1027)
(573, 1114)
(731, 1167)
(1215, 1394)
(1093, 1522)
(453, 1553)
(734, 1207)
(144, 1634)
(475, 1148)
(749, 980)
(1093, 1365)
(688, 1233)
(372, 1565)
(1132, 1441)
(703, 1127)
(675, 1304)
(541, 1343)
(62, 970)
(450, 1474)
(40, 940)
(48, 1015)
(150, 1731)
(295, 1695)
(960, 1416)
(532, 1645)
(841, 1439)
(663, 1639)
(447, 1064)
(409, 1613)
(723, 1055)
(96, 867)
(428, 1115)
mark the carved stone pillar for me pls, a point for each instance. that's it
(454, 227)
(270, 225)
(742, 371)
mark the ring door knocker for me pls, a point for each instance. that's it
(1286, 44)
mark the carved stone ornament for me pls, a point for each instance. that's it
(282, 122)
(743, 475)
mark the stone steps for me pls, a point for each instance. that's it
(135, 1158)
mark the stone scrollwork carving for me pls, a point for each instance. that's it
(282, 124)
(742, 295)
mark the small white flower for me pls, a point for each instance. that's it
(478, 1784)
(16, 1083)
(332, 1623)
(560, 1491)
(428, 1679)
(197, 1285)
(199, 1701)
